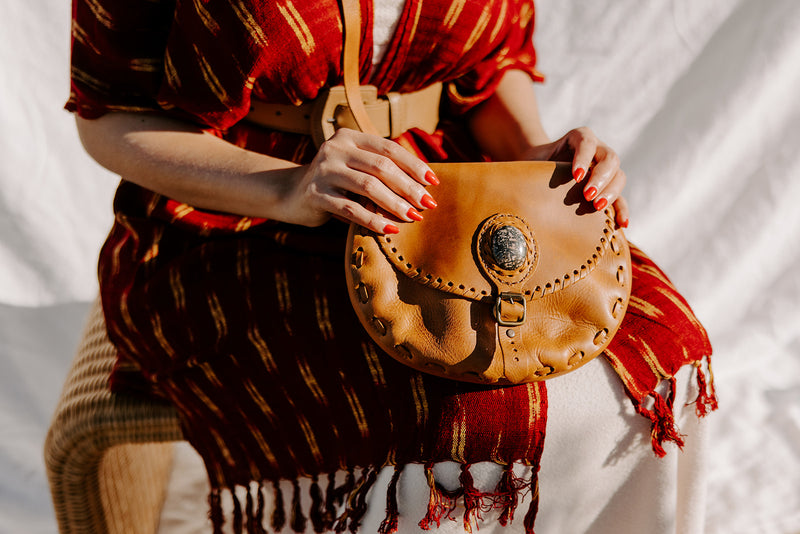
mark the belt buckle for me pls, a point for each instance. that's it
(331, 111)
(509, 299)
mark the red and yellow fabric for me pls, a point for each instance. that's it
(245, 325)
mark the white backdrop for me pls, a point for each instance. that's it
(700, 97)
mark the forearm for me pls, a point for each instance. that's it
(507, 126)
(181, 161)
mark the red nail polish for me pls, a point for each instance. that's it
(600, 204)
(414, 214)
(391, 229)
(590, 193)
(431, 178)
(428, 201)
(624, 223)
(578, 174)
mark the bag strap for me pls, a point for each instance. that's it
(351, 13)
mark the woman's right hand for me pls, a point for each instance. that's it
(351, 172)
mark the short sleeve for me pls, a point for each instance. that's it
(509, 39)
(118, 51)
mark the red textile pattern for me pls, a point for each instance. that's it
(244, 325)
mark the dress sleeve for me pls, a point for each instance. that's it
(117, 55)
(510, 40)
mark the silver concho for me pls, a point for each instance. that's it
(509, 248)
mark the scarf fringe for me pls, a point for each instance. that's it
(662, 420)
(706, 401)
(353, 493)
(389, 524)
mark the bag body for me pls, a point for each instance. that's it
(514, 278)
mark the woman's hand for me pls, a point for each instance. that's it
(594, 161)
(354, 170)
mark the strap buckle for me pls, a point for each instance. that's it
(332, 112)
(510, 309)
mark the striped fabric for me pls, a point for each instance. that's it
(245, 325)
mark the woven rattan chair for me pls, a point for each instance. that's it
(108, 456)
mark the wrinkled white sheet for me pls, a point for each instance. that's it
(699, 98)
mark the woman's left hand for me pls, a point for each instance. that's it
(594, 163)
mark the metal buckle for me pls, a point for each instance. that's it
(510, 298)
(330, 104)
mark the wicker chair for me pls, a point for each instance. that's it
(108, 456)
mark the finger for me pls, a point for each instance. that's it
(393, 177)
(344, 208)
(414, 167)
(611, 191)
(584, 145)
(376, 190)
(623, 214)
(602, 174)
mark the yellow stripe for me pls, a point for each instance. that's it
(250, 23)
(323, 316)
(254, 336)
(282, 285)
(459, 434)
(453, 13)
(210, 375)
(218, 315)
(152, 252)
(375, 368)
(212, 82)
(420, 399)
(357, 410)
(651, 359)
(222, 447)
(205, 400)
(86, 79)
(182, 211)
(645, 307)
(244, 224)
(416, 21)
(255, 394)
(146, 64)
(170, 72)
(299, 27)
(623, 373)
(102, 16)
(681, 306)
(501, 19)
(311, 439)
(205, 16)
(155, 322)
(478, 30)
(256, 433)
(311, 382)
(80, 35)
(178, 292)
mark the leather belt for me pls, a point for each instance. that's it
(392, 114)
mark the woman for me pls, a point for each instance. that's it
(221, 279)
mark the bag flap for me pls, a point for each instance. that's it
(564, 235)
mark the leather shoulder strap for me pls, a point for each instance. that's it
(351, 13)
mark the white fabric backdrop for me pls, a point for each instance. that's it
(699, 98)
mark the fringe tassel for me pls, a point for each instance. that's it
(350, 489)
(533, 509)
(508, 494)
(259, 518)
(250, 525)
(317, 512)
(360, 498)
(237, 512)
(662, 421)
(472, 497)
(440, 505)
(706, 401)
(215, 511)
(278, 514)
(389, 524)
(330, 498)
(298, 519)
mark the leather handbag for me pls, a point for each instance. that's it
(513, 278)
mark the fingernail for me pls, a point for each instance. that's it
(414, 214)
(391, 229)
(431, 178)
(578, 174)
(590, 193)
(624, 223)
(428, 201)
(601, 203)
